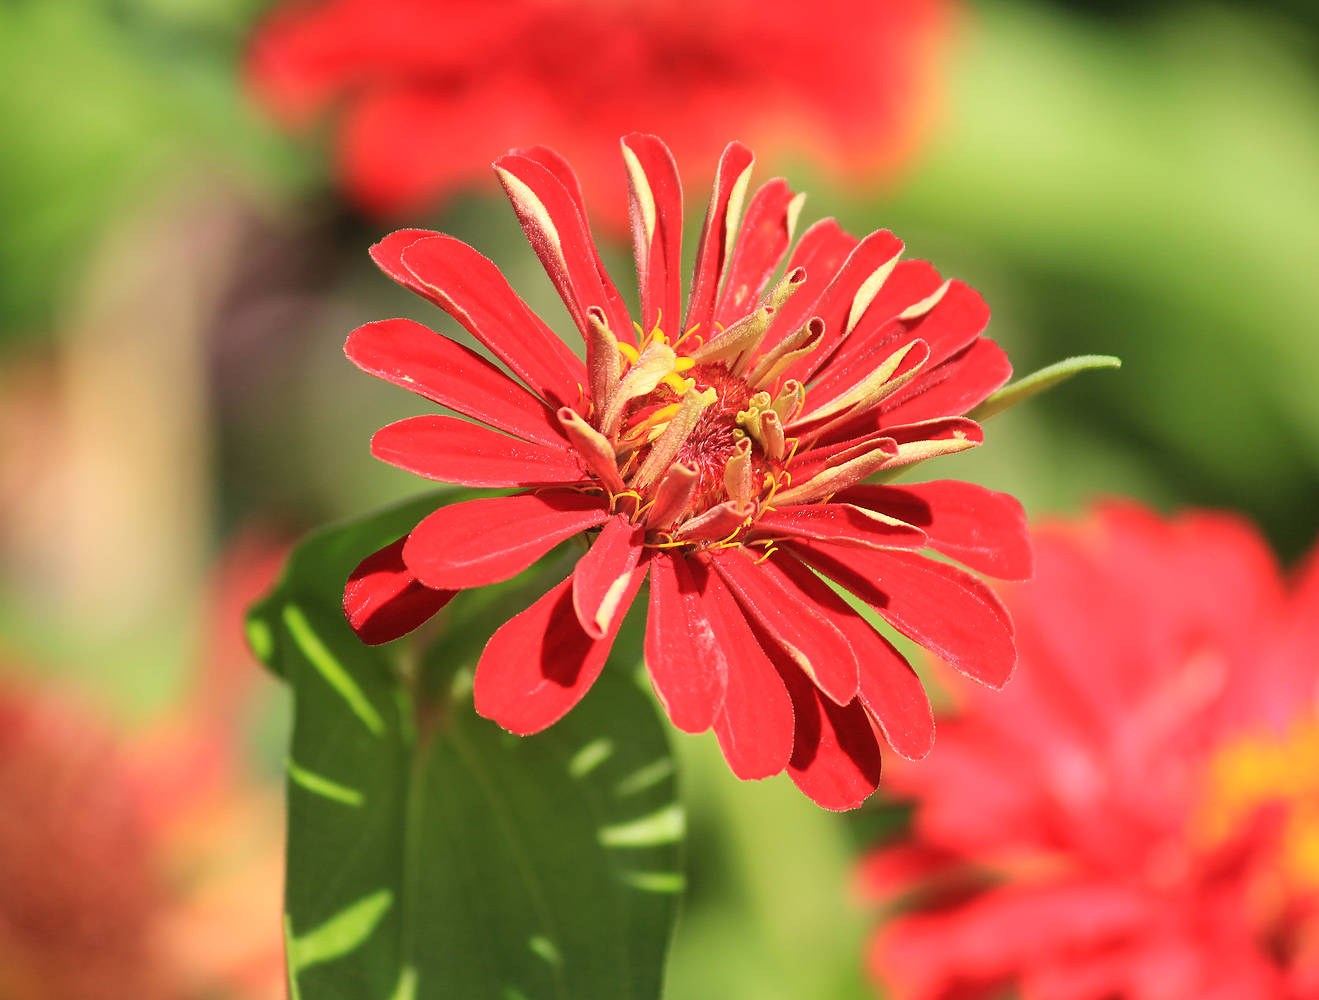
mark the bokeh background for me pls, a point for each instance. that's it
(179, 267)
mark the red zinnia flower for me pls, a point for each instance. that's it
(1137, 816)
(701, 457)
(428, 91)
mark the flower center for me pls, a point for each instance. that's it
(1257, 772)
(690, 448)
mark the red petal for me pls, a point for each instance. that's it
(981, 528)
(717, 522)
(687, 664)
(896, 699)
(762, 241)
(894, 869)
(879, 328)
(947, 610)
(396, 143)
(419, 359)
(659, 253)
(962, 382)
(889, 688)
(470, 288)
(540, 662)
(603, 574)
(563, 173)
(911, 282)
(388, 255)
(754, 725)
(557, 231)
(835, 757)
(949, 429)
(383, 600)
(712, 253)
(808, 464)
(835, 305)
(477, 542)
(958, 318)
(821, 407)
(821, 250)
(457, 451)
(840, 523)
(792, 620)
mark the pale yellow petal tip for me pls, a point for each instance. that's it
(922, 307)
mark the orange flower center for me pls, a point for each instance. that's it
(1256, 772)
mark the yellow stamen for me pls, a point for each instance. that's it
(629, 352)
(615, 497)
(661, 416)
(687, 333)
(677, 383)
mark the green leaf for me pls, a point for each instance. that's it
(1045, 378)
(433, 855)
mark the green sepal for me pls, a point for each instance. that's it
(1045, 378)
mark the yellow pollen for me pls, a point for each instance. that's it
(629, 352)
(683, 364)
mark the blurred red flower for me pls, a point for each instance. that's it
(699, 457)
(1137, 816)
(145, 868)
(427, 92)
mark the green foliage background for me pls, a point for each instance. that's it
(1141, 181)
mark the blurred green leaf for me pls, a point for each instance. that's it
(104, 102)
(433, 855)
